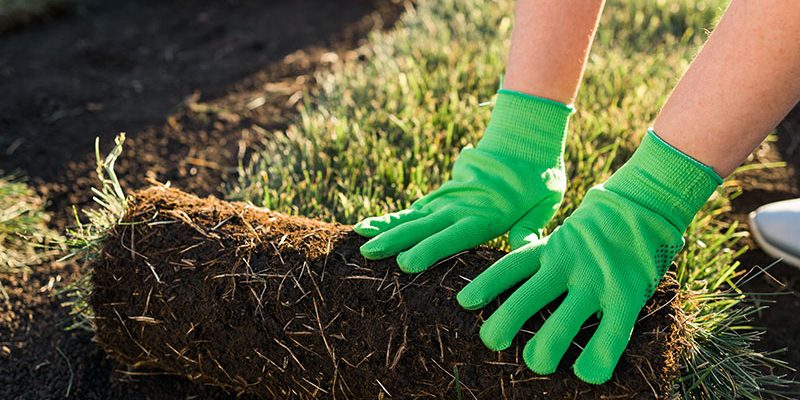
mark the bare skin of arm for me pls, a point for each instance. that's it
(738, 88)
(549, 46)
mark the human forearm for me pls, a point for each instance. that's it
(549, 46)
(745, 79)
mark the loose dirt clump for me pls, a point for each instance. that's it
(285, 307)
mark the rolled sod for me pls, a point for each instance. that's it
(283, 307)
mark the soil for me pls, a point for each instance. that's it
(184, 79)
(15, 18)
(180, 78)
(286, 307)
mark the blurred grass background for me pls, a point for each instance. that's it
(383, 129)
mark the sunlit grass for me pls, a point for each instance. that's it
(25, 238)
(85, 238)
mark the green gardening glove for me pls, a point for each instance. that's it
(608, 256)
(513, 180)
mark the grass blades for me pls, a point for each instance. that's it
(84, 239)
(381, 131)
(25, 239)
(720, 362)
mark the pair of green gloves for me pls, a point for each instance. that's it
(608, 256)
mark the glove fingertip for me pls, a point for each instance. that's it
(591, 373)
(535, 364)
(491, 340)
(410, 264)
(364, 228)
(468, 300)
(373, 251)
(370, 256)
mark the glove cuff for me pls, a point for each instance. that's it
(527, 127)
(665, 180)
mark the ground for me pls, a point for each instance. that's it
(181, 78)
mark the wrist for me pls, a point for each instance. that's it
(665, 180)
(527, 127)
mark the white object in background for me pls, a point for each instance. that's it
(776, 228)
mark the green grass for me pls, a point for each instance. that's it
(24, 235)
(25, 239)
(377, 134)
(85, 239)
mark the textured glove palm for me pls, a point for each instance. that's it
(608, 256)
(512, 181)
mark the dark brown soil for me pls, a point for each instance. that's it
(20, 17)
(179, 77)
(286, 307)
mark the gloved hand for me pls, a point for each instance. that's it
(513, 180)
(608, 256)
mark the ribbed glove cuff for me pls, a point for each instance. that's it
(527, 127)
(665, 180)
